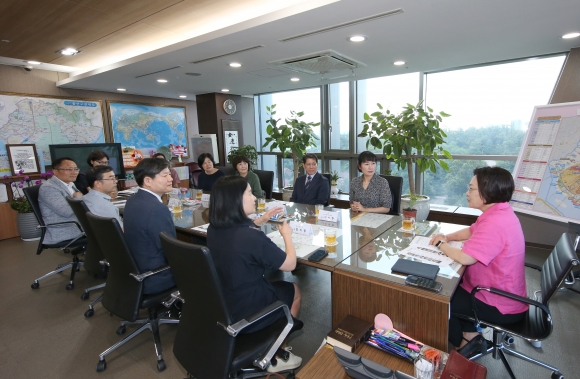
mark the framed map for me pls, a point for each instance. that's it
(43, 120)
(142, 128)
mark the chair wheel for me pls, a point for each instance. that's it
(34, 286)
(161, 365)
(85, 296)
(89, 313)
(70, 286)
(121, 330)
(557, 375)
(101, 366)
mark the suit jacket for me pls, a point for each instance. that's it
(144, 218)
(318, 191)
(54, 208)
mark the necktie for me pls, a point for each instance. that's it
(308, 179)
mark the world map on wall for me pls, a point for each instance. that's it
(46, 121)
(147, 127)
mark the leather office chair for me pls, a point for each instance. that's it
(537, 324)
(74, 246)
(93, 255)
(327, 176)
(207, 343)
(396, 187)
(194, 171)
(123, 295)
(266, 182)
(228, 170)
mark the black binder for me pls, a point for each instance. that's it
(408, 267)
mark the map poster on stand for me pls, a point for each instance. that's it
(44, 120)
(142, 128)
(23, 159)
(547, 172)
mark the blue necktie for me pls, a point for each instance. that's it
(308, 179)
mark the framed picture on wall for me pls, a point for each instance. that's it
(23, 159)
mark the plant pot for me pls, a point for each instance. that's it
(26, 224)
(410, 213)
(334, 191)
(422, 206)
(287, 193)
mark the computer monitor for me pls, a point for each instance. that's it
(80, 152)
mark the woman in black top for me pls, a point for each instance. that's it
(242, 253)
(95, 158)
(210, 174)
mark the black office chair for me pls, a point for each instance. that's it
(74, 246)
(396, 187)
(207, 343)
(228, 170)
(95, 263)
(537, 324)
(194, 171)
(123, 295)
(327, 176)
(266, 181)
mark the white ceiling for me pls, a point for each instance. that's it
(429, 35)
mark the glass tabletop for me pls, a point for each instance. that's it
(376, 258)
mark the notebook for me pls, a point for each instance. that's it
(409, 267)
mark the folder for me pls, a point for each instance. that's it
(408, 267)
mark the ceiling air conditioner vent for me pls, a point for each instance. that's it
(319, 63)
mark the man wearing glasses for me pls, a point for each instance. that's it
(101, 181)
(52, 200)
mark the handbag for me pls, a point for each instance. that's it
(459, 367)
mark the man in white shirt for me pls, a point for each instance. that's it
(101, 181)
(52, 201)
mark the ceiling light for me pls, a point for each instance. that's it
(69, 51)
(235, 64)
(32, 62)
(225, 90)
(357, 38)
(399, 63)
(295, 79)
(121, 89)
(162, 80)
(571, 35)
(183, 96)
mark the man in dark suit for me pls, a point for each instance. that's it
(312, 188)
(146, 216)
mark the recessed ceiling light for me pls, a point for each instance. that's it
(357, 38)
(235, 64)
(162, 80)
(5, 40)
(32, 62)
(121, 89)
(571, 35)
(182, 96)
(295, 79)
(69, 51)
(399, 63)
(225, 90)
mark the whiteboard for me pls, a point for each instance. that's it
(547, 172)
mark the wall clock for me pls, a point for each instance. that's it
(229, 106)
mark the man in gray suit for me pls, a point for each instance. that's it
(102, 181)
(52, 201)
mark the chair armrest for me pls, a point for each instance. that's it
(141, 277)
(174, 297)
(104, 263)
(236, 328)
(61, 223)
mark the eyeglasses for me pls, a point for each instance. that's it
(76, 169)
(104, 161)
(469, 189)
(113, 178)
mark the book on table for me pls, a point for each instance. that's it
(349, 333)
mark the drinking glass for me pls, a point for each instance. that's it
(408, 223)
(198, 194)
(423, 368)
(261, 205)
(177, 208)
(330, 237)
(318, 208)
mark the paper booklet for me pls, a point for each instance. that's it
(421, 250)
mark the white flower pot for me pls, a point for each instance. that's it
(422, 206)
(334, 191)
(287, 193)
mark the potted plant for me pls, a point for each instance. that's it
(292, 138)
(248, 151)
(26, 222)
(412, 138)
(334, 183)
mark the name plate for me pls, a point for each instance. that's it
(205, 197)
(173, 201)
(328, 216)
(175, 191)
(301, 228)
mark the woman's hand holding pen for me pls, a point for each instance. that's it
(438, 237)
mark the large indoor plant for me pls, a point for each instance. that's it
(412, 138)
(247, 151)
(292, 138)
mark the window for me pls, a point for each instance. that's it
(339, 116)
(269, 163)
(341, 166)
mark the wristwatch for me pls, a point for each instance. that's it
(439, 243)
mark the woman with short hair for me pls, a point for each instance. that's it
(242, 253)
(210, 174)
(494, 252)
(369, 192)
(244, 169)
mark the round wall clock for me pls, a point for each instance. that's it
(229, 106)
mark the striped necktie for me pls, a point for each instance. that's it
(308, 180)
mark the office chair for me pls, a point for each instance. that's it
(78, 244)
(228, 170)
(537, 324)
(327, 176)
(123, 295)
(208, 343)
(194, 171)
(266, 182)
(93, 255)
(396, 187)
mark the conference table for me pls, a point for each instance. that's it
(360, 265)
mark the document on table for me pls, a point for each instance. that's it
(421, 250)
(303, 244)
(370, 220)
(201, 228)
